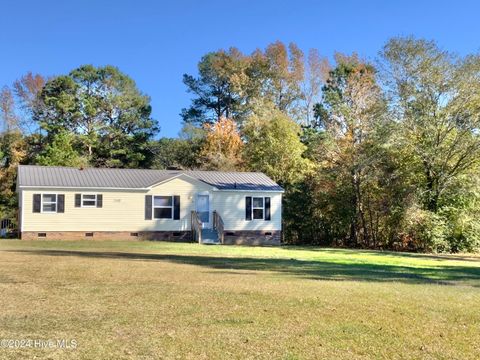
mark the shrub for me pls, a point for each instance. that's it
(464, 230)
(426, 231)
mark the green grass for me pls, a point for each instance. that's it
(149, 300)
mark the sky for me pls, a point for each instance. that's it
(156, 42)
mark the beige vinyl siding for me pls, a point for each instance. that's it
(231, 207)
(124, 210)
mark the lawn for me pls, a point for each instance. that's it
(149, 300)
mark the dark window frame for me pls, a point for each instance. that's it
(42, 202)
(171, 207)
(88, 206)
(258, 208)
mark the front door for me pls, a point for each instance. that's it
(203, 209)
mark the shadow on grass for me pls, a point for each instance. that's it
(318, 270)
(411, 255)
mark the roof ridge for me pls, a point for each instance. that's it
(139, 169)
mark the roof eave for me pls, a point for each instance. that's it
(79, 187)
(252, 190)
(136, 189)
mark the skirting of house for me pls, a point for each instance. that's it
(242, 237)
(180, 236)
(253, 237)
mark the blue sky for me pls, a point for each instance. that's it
(156, 42)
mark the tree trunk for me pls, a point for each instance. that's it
(432, 188)
(359, 213)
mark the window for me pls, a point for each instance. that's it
(257, 208)
(49, 203)
(162, 207)
(89, 200)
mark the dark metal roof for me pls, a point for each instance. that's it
(56, 176)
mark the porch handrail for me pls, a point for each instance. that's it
(7, 227)
(196, 227)
(218, 226)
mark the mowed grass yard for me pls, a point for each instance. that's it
(149, 300)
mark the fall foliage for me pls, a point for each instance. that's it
(222, 149)
(372, 154)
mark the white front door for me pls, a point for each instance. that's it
(203, 209)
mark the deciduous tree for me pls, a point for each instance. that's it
(9, 118)
(26, 90)
(223, 146)
(436, 98)
(230, 84)
(12, 153)
(273, 145)
(352, 115)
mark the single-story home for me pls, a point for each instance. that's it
(96, 203)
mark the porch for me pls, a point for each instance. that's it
(204, 234)
(8, 228)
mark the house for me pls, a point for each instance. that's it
(203, 206)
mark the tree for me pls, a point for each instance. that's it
(436, 98)
(10, 120)
(179, 153)
(106, 112)
(26, 90)
(285, 74)
(219, 89)
(60, 152)
(18, 102)
(352, 117)
(12, 153)
(222, 149)
(231, 84)
(273, 146)
(172, 153)
(316, 73)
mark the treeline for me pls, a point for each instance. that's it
(372, 154)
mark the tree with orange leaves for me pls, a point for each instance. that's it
(223, 146)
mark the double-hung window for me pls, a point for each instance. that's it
(258, 209)
(163, 207)
(89, 200)
(49, 203)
